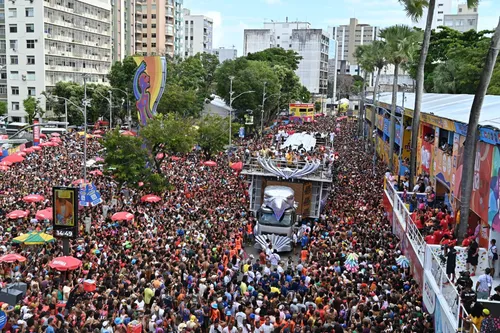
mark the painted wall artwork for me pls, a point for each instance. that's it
(149, 84)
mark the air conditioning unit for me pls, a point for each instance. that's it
(23, 77)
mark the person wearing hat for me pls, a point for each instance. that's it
(488, 324)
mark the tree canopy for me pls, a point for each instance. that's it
(213, 132)
(455, 62)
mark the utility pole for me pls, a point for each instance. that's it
(66, 113)
(85, 103)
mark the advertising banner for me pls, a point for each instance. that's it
(443, 166)
(387, 126)
(494, 200)
(481, 182)
(88, 195)
(36, 133)
(65, 219)
(442, 322)
(429, 295)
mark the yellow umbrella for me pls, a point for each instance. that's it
(34, 238)
(83, 133)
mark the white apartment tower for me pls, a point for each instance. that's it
(225, 54)
(311, 44)
(443, 7)
(466, 19)
(198, 33)
(51, 41)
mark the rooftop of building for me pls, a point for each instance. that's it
(452, 106)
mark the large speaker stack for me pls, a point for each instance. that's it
(13, 293)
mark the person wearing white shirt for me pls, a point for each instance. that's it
(240, 318)
(274, 258)
(230, 328)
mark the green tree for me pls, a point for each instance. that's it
(167, 134)
(32, 108)
(126, 158)
(179, 100)
(379, 56)
(213, 134)
(277, 56)
(445, 77)
(3, 108)
(365, 59)
(472, 133)
(401, 42)
(317, 106)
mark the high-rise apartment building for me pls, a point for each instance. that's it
(225, 54)
(123, 28)
(179, 28)
(443, 7)
(311, 44)
(348, 38)
(466, 19)
(198, 33)
(49, 41)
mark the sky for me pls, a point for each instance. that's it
(231, 17)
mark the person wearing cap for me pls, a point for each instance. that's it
(488, 324)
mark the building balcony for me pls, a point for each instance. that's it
(77, 55)
(102, 19)
(70, 69)
(79, 27)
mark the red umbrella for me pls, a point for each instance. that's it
(150, 198)
(43, 136)
(33, 198)
(122, 216)
(78, 181)
(56, 139)
(238, 166)
(4, 167)
(175, 158)
(53, 144)
(128, 133)
(28, 150)
(210, 163)
(21, 153)
(13, 158)
(96, 173)
(159, 156)
(290, 132)
(65, 263)
(17, 214)
(98, 132)
(55, 134)
(6, 163)
(12, 257)
(44, 214)
(36, 148)
(45, 144)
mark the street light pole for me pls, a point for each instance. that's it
(262, 112)
(110, 109)
(66, 113)
(231, 78)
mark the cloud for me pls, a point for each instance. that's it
(218, 30)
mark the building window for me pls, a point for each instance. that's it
(144, 44)
(144, 35)
(30, 27)
(153, 16)
(12, 12)
(30, 76)
(3, 90)
(14, 60)
(14, 90)
(15, 106)
(31, 91)
(3, 59)
(29, 12)
(459, 10)
(31, 60)
(16, 119)
(153, 26)
(440, 12)
(144, 16)
(153, 44)
(30, 44)
(13, 28)
(153, 35)
(13, 44)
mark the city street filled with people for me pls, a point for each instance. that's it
(182, 264)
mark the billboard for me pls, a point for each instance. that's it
(65, 219)
(36, 132)
(149, 84)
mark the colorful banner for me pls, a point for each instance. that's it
(88, 195)
(481, 182)
(36, 132)
(443, 166)
(489, 136)
(65, 219)
(426, 150)
(494, 200)
(458, 153)
(149, 84)
(387, 127)
(398, 134)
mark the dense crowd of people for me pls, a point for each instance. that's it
(181, 265)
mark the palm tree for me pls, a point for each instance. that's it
(363, 55)
(444, 77)
(379, 55)
(472, 133)
(402, 41)
(415, 10)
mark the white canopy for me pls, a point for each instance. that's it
(295, 140)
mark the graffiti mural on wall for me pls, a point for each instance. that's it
(149, 84)
(494, 200)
